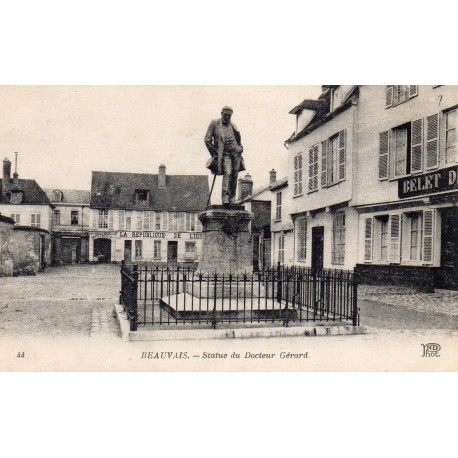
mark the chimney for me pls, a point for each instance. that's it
(162, 176)
(6, 175)
(15, 174)
(273, 176)
(245, 187)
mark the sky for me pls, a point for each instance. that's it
(63, 133)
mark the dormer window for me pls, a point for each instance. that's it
(142, 197)
(57, 196)
(16, 196)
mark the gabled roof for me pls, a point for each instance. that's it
(33, 194)
(281, 183)
(117, 190)
(322, 113)
(69, 196)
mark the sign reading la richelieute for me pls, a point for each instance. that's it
(428, 183)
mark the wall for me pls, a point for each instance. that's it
(336, 193)
(26, 211)
(27, 246)
(6, 247)
(325, 219)
(65, 218)
(375, 118)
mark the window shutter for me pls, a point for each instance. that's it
(395, 236)
(432, 131)
(94, 219)
(342, 154)
(388, 96)
(295, 175)
(324, 163)
(139, 221)
(428, 234)
(417, 145)
(368, 240)
(110, 219)
(413, 91)
(313, 168)
(383, 156)
(121, 214)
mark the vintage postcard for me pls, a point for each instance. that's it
(229, 228)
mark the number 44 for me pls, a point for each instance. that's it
(21, 354)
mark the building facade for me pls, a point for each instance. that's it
(6, 246)
(70, 225)
(25, 202)
(373, 171)
(258, 202)
(147, 218)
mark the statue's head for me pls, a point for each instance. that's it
(226, 114)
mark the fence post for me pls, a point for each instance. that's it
(355, 302)
(279, 284)
(134, 305)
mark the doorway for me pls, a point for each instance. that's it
(127, 251)
(447, 275)
(102, 250)
(172, 254)
(317, 248)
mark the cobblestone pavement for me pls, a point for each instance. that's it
(78, 300)
(69, 301)
(439, 302)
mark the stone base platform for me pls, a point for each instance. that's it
(239, 291)
(184, 306)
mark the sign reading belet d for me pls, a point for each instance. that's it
(429, 183)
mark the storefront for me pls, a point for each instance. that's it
(414, 240)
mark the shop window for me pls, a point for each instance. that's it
(35, 220)
(415, 236)
(333, 158)
(138, 249)
(190, 250)
(278, 206)
(383, 239)
(103, 219)
(56, 217)
(298, 174)
(74, 217)
(157, 249)
(338, 238)
(395, 95)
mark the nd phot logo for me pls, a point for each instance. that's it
(430, 350)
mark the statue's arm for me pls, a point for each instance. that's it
(209, 139)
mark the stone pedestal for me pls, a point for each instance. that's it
(226, 245)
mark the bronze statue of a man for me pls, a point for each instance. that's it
(224, 144)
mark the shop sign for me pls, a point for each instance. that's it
(429, 183)
(159, 235)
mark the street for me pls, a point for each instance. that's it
(71, 306)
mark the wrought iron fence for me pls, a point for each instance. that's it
(157, 296)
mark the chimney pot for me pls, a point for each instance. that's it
(245, 187)
(273, 176)
(6, 175)
(162, 176)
